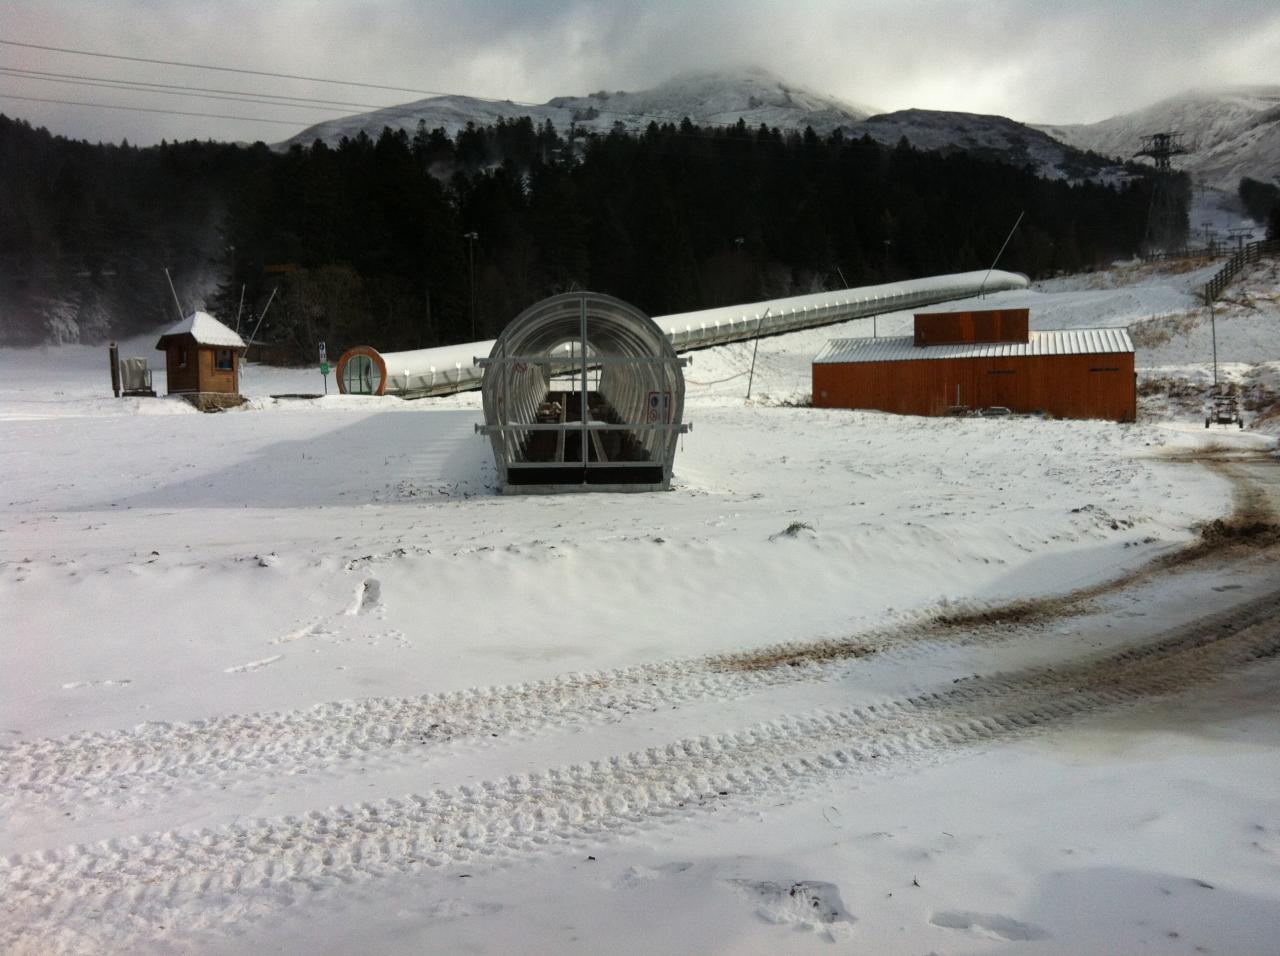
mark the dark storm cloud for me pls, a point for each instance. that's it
(1030, 59)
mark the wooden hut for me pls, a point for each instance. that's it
(976, 360)
(201, 355)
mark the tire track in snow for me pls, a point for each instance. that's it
(115, 893)
(166, 757)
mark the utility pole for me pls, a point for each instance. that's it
(471, 237)
(1213, 332)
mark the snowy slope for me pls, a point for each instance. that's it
(709, 99)
(293, 678)
(987, 137)
(754, 95)
(1230, 133)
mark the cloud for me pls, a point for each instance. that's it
(1030, 59)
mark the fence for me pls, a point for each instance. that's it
(1251, 252)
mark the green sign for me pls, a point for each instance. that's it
(324, 368)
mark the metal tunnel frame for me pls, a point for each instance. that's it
(583, 392)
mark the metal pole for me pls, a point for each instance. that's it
(756, 349)
(582, 359)
(983, 284)
(263, 316)
(240, 311)
(1213, 328)
(113, 351)
(175, 293)
(471, 237)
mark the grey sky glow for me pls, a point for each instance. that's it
(1033, 60)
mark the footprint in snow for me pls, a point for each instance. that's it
(991, 926)
(639, 875)
(252, 665)
(805, 904)
(297, 635)
(368, 597)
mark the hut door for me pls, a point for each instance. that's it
(358, 375)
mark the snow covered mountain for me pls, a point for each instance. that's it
(753, 95)
(1230, 133)
(988, 137)
(711, 99)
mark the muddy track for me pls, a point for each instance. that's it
(1253, 525)
(330, 738)
(111, 895)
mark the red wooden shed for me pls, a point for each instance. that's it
(974, 360)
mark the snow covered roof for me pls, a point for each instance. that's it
(904, 349)
(206, 330)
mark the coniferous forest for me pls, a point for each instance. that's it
(393, 242)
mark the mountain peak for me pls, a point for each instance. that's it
(707, 97)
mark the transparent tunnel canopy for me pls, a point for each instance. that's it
(583, 392)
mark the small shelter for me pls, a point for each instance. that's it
(967, 361)
(201, 355)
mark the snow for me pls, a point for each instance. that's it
(206, 330)
(707, 98)
(293, 677)
(1229, 133)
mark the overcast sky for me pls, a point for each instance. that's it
(1045, 61)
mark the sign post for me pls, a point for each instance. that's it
(324, 368)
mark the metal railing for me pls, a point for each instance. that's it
(1247, 254)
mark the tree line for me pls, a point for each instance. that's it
(409, 241)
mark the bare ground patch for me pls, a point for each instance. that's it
(1253, 525)
(819, 652)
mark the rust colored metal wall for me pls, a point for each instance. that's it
(1065, 386)
(956, 328)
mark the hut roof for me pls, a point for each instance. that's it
(206, 330)
(1046, 342)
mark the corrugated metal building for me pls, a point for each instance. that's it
(974, 360)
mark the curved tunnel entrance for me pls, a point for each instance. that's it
(583, 392)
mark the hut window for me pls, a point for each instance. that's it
(224, 359)
(182, 357)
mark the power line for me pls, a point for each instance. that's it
(260, 99)
(232, 69)
(272, 99)
(661, 117)
(143, 109)
(44, 76)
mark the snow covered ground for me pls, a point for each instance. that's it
(294, 678)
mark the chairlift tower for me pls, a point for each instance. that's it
(1239, 235)
(1166, 222)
